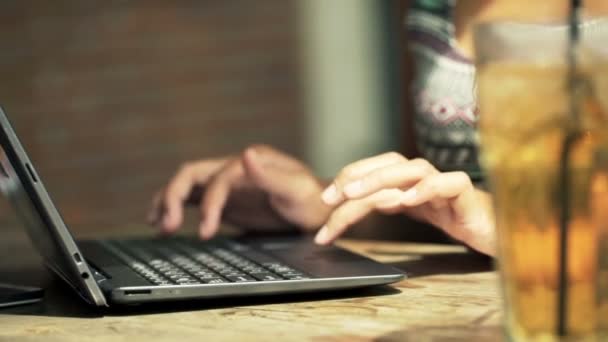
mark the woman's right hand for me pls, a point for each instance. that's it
(262, 188)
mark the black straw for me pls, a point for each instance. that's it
(572, 134)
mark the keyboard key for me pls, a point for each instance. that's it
(184, 262)
(266, 276)
(216, 281)
(297, 277)
(146, 272)
(187, 281)
(240, 278)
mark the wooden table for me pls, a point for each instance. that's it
(451, 295)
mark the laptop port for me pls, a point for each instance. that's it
(31, 172)
(77, 258)
(137, 292)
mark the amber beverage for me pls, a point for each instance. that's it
(525, 116)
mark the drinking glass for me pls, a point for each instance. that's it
(543, 129)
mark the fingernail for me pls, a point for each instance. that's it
(322, 236)
(330, 196)
(354, 189)
(409, 196)
(253, 153)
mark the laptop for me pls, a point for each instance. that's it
(113, 272)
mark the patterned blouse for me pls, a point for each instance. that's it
(443, 90)
(444, 85)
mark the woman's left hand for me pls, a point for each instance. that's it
(390, 183)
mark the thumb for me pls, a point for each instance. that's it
(269, 177)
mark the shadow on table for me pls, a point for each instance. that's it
(59, 299)
(403, 229)
(420, 264)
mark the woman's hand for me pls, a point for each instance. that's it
(262, 188)
(390, 183)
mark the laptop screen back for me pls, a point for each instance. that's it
(44, 225)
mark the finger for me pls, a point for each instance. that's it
(333, 194)
(453, 186)
(453, 191)
(271, 175)
(399, 175)
(178, 189)
(215, 198)
(174, 197)
(155, 212)
(350, 212)
(203, 170)
(273, 157)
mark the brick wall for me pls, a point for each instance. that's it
(110, 96)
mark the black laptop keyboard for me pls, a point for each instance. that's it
(186, 262)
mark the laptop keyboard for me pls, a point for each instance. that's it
(186, 262)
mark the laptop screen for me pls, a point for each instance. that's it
(44, 225)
